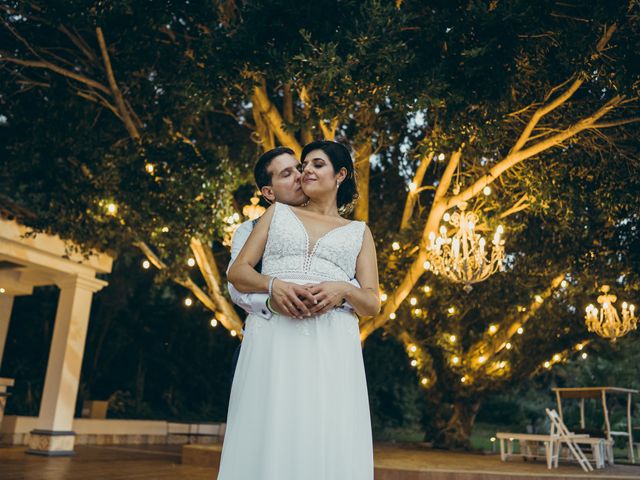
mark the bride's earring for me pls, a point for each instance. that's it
(337, 183)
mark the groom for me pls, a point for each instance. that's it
(277, 176)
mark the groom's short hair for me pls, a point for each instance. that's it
(261, 170)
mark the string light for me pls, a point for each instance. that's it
(451, 310)
(417, 311)
(520, 330)
(538, 298)
(482, 359)
(455, 360)
(414, 362)
(149, 167)
(112, 208)
(426, 265)
(487, 190)
(463, 379)
(413, 348)
(383, 297)
(547, 364)
(556, 357)
(441, 157)
(424, 381)
(413, 301)
(508, 346)
(564, 284)
(426, 289)
(579, 346)
(188, 302)
(412, 187)
(392, 316)
(493, 329)
(191, 262)
(233, 333)
(584, 355)
(146, 264)
(214, 322)
(395, 246)
(452, 338)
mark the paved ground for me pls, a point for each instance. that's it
(393, 462)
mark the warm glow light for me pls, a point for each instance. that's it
(383, 297)
(446, 217)
(493, 329)
(426, 289)
(214, 322)
(508, 346)
(463, 379)
(188, 302)
(579, 347)
(149, 167)
(547, 364)
(451, 310)
(191, 262)
(441, 157)
(146, 264)
(417, 311)
(584, 356)
(520, 331)
(455, 360)
(538, 298)
(112, 208)
(2, 290)
(413, 348)
(233, 333)
(564, 284)
(413, 301)
(392, 316)
(412, 187)
(165, 229)
(426, 265)
(556, 357)
(395, 246)
(424, 381)
(453, 339)
(414, 362)
(482, 359)
(487, 190)
(492, 439)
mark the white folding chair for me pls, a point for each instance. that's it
(565, 436)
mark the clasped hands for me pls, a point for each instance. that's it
(307, 300)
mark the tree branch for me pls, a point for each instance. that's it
(412, 196)
(115, 91)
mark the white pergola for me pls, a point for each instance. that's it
(28, 262)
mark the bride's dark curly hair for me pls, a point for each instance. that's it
(340, 157)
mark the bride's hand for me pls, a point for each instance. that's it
(329, 295)
(286, 298)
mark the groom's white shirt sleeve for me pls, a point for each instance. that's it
(255, 303)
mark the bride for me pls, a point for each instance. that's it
(299, 407)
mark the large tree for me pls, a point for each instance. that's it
(134, 123)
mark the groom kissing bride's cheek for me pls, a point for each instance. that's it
(304, 274)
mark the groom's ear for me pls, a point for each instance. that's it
(267, 193)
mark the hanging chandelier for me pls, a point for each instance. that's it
(463, 258)
(605, 320)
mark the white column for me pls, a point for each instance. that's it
(6, 305)
(53, 434)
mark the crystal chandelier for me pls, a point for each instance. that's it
(463, 258)
(605, 320)
(254, 210)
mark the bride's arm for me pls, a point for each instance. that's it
(242, 273)
(366, 299)
(245, 278)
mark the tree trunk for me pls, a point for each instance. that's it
(456, 433)
(363, 167)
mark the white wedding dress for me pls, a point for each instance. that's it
(299, 408)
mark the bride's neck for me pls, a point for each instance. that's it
(323, 206)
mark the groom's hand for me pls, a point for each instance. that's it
(328, 295)
(286, 298)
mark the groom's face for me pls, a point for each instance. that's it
(285, 181)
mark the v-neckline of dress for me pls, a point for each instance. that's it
(311, 251)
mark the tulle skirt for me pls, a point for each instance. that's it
(299, 408)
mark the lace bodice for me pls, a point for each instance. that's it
(289, 255)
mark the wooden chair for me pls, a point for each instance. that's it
(560, 430)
